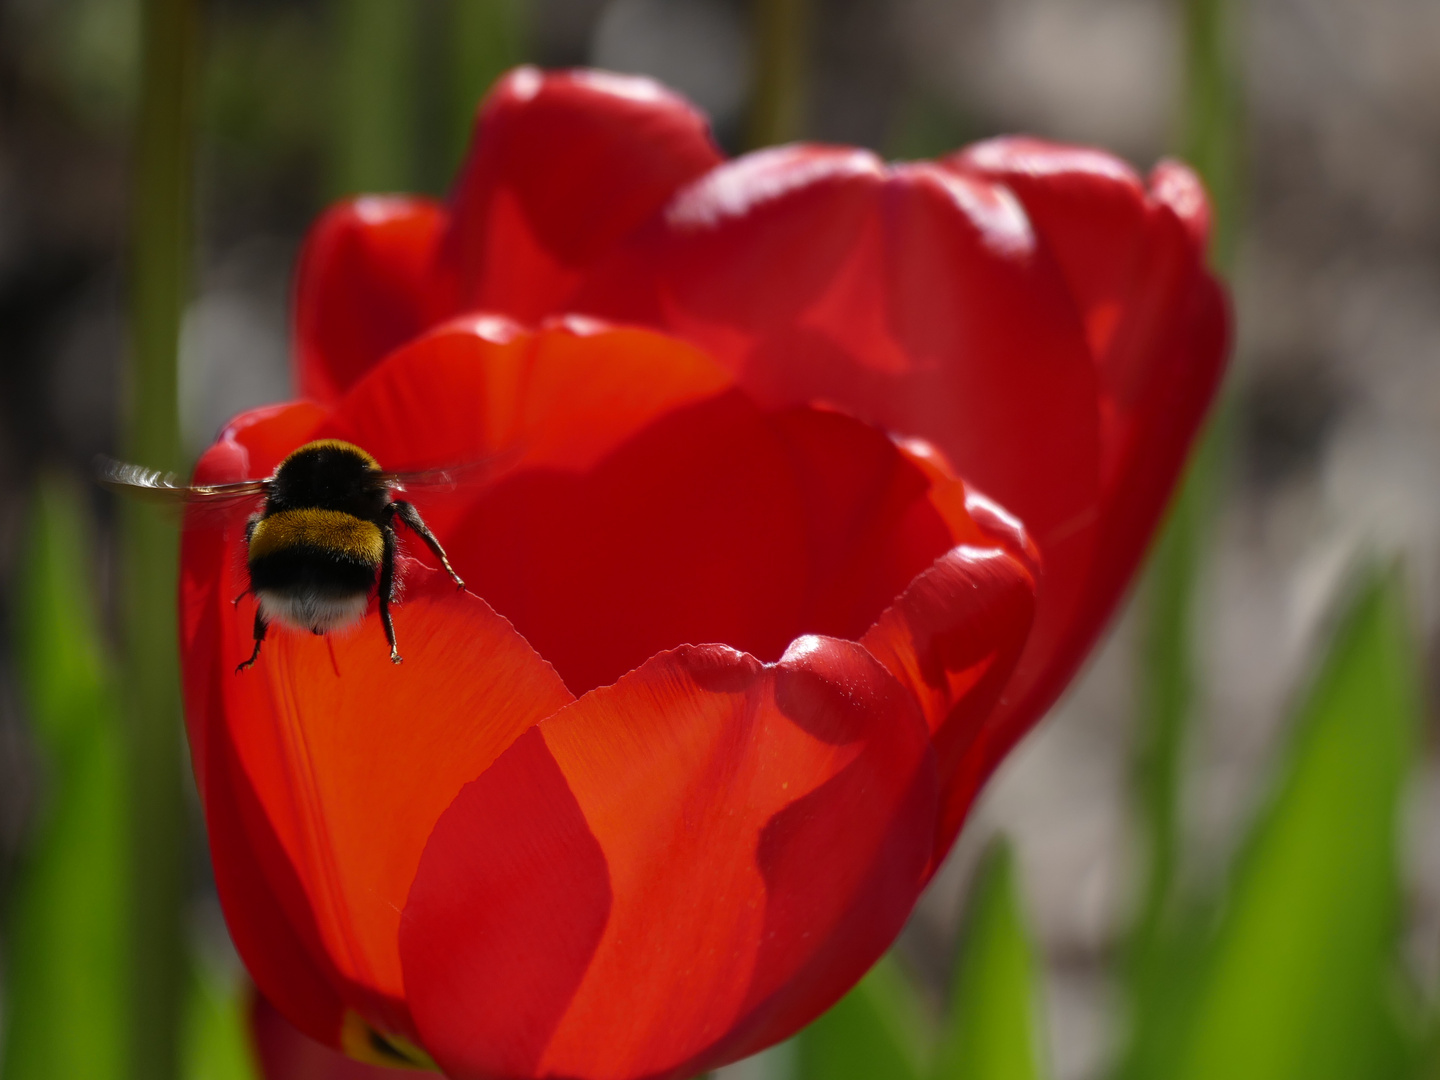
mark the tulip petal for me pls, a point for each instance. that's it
(353, 791)
(1158, 330)
(953, 640)
(249, 448)
(911, 297)
(918, 299)
(1090, 210)
(294, 763)
(285, 1053)
(673, 870)
(561, 167)
(647, 505)
(720, 522)
(363, 288)
(560, 397)
(348, 790)
(254, 881)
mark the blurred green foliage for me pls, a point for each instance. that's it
(66, 978)
(486, 39)
(996, 1026)
(1290, 971)
(878, 1029)
(1293, 974)
(993, 1028)
(216, 1038)
(1301, 971)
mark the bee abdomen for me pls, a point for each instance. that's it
(313, 569)
(319, 551)
(332, 532)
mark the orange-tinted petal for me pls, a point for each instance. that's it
(249, 448)
(953, 640)
(673, 871)
(363, 288)
(641, 504)
(262, 900)
(346, 760)
(560, 397)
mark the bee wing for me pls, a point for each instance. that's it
(453, 476)
(168, 489)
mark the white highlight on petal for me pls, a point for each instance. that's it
(801, 647)
(1179, 188)
(974, 554)
(631, 87)
(378, 209)
(736, 188)
(580, 325)
(994, 211)
(993, 508)
(524, 83)
(1007, 155)
(497, 329)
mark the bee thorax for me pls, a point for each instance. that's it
(310, 609)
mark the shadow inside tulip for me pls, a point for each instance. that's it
(720, 522)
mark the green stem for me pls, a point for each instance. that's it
(377, 96)
(487, 38)
(1211, 117)
(781, 45)
(162, 202)
(1210, 140)
(1168, 684)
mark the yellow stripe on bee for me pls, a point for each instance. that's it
(330, 530)
(333, 444)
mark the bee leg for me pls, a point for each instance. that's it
(387, 585)
(411, 517)
(260, 627)
(249, 532)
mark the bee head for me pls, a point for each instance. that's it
(332, 475)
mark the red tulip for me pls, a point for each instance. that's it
(283, 1053)
(747, 646)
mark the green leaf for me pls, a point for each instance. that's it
(995, 1023)
(1299, 979)
(487, 38)
(66, 1015)
(216, 1033)
(878, 1030)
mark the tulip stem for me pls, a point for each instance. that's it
(376, 100)
(781, 37)
(487, 38)
(1159, 946)
(160, 267)
(1211, 121)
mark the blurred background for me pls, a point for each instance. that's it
(1326, 165)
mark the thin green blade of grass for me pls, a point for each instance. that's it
(487, 38)
(1299, 982)
(216, 1042)
(876, 1030)
(67, 982)
(995, 1024)
(1167, 938)
(376, 97)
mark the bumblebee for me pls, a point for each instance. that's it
(325, 534)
